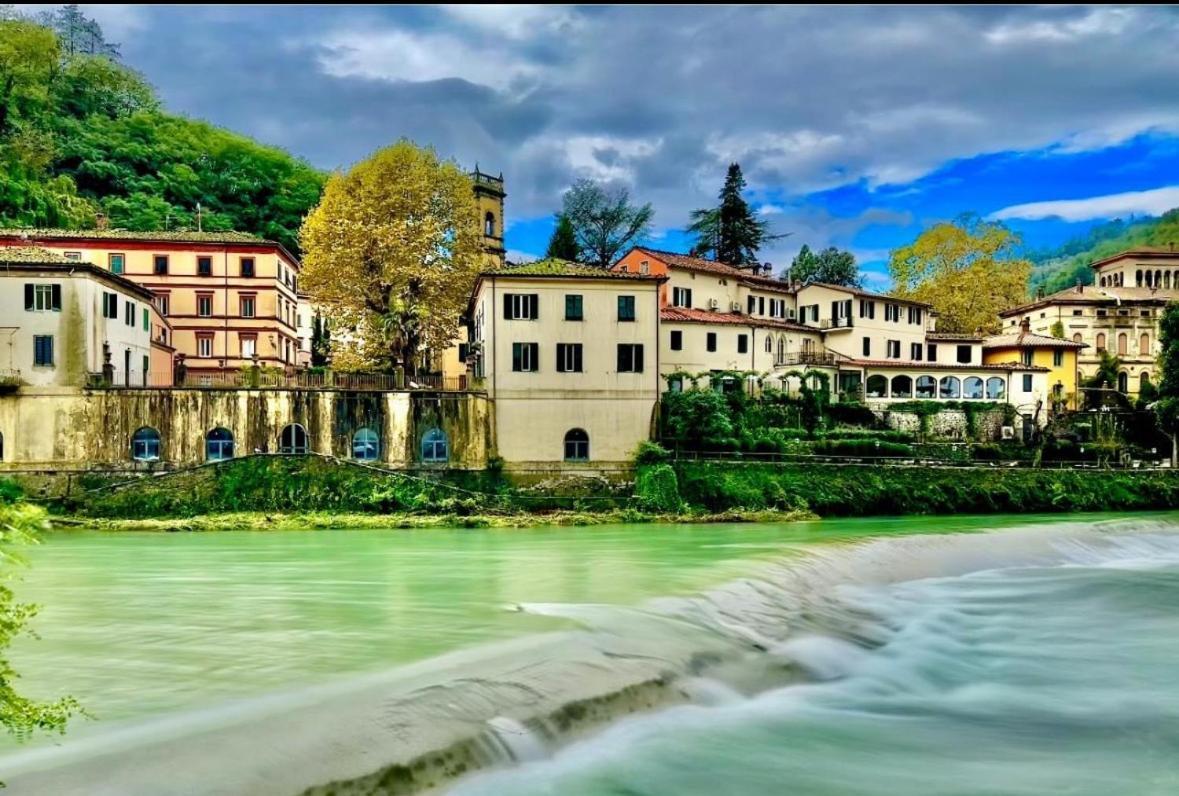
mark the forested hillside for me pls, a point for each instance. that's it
(81, 135)
(1062, 267)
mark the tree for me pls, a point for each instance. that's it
(730, 233)
(604, 221)
(831, 265)
(29, 56)
(321, 342)
(78, 33)
(563, 243)
(968, 270)
(1166, 408)
(393, 249)
(1102, 381)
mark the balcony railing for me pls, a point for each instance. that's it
(10, 381)
(836, 323)
(821, 357)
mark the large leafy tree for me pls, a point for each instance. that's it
(731, 232)
(563, 243)
(393, 249)
(831, 265)
(1166, 408)
(604, 221)
(968, 270)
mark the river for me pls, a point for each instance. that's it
(997, 655)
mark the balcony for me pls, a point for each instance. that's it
(10, 381)
(815, 358)
(836, 323)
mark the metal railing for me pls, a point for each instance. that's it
(805, 358)
(919, 458)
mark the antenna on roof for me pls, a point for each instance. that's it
(199, 217)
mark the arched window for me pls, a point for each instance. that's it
(926, 387)
(293, 439)
(1100, 341)
(1166, 280)
(489, 224)
(218, 445)
(145, 445)
(434, 446)
(1077, 337)
(366, 445)
(1123, 382)
(950, 387)
(576, 445)
(769, 344)
(1123, 344)
(1, 447)
(902, 387)
(1144, 345)
(781, 349)
(1143, 381)
(1138, 278)
(877, 386)
(996, 388)
(972, 387)
(1103, 281)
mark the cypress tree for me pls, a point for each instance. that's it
(563, 243)
(731, 233)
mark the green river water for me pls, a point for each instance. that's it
(921, 638)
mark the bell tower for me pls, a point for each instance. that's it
(489, 198)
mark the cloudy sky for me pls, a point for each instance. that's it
(855, 126)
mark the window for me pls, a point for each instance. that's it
(915, 351)
(73, 256)
(569, 357)
(163, 303)
(246, 267)
(867, 346)
(293, 439)
(626, 308)
(950, 387)
(521, 306)
(972, 387)
(146, 318)
(710, 343)
(996, 388)
(489, 224)
(366, 445)
(204, 345)
(1100, 342)
(926, 387)
(1144, 345)
(750, 305)
(902, 387)
(894, 349)
(915, 315)
(1025, 357)
(43, 350)
(145, 445)
(1078, 313)
(110, 305)
(677, 341)
(1057, 358)
(116, 263)
(129, 313)
(42, 298)
(525, 357)
(204, 266)
(576, 445)
(247, 306)
(160, 264)
(434, 446)
(1027, 382)
(574, 309)
(761, 303)
(892, 312)
(867, 308)
(1077, 337)
(769, 345)
(675, 384)
(931, 352)
(877, 386)
(1123, 344)
(630, 358)
(682, 297)
(963, 355)
(218, 445)
(205, 305)
(742, 344)
(249, 344)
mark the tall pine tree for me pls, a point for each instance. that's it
(563, 243)
(731, 233)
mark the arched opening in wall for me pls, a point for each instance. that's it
(1144, 345)
(1100, 342)
(950, 387)
(877, 386)
(902, 387)
(293, 439)
(489, 224)
(1143, 381)
(145, 445)
(1123, 382)
(1166, 280)
(769, 344)
(576, 445)
(1, 446)
(1123, 344)
(218, 445)
(1158, 278)
(1077, 337)
(782, 350)
(972, 387)
(926, 387)
(1138, 278)
(996, 388)
(366, 445)
(435, 448)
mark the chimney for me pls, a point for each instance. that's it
(1080, 287)
(101, 221)
(1040, 292)
(1025, 326)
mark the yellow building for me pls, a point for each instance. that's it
(230, 298)
(489, 197)
(1060, 357)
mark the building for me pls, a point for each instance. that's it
(230, 298)
(489, 197)
(569, 358)
(1059, 357)
(1117, 315)
(65, 323)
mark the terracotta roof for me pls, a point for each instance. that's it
(1029, 340)
(554, 267)
(911, 365)
(1092, 294)
(689, 315)
(185, 236)
(1146, 252)
(70, 267)
(856, 291)
(699, 264)
(30, 254)
(965, 338)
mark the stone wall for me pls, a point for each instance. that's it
(83, 429)
(949, 423)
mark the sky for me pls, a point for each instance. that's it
(855, 126)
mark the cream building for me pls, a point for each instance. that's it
(569, 357)
(60, 321)
(1119, 314)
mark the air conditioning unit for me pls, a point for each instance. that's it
(713, 304)
(735, 306)
(790, 314)
(1008, 432)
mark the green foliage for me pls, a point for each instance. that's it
(852, 413)
(81, 134)
(1166, 408)
(657, 488)
(604, 221)
(321, 342)
(651, 453)
(1069, 264)
(698, 420)
(563, 244)
(731, 233)
(831, 265)
(861, 447)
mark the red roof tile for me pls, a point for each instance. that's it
(689, 315)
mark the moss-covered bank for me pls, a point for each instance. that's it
(850, 490)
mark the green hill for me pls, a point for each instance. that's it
(83, 135)
(1062, 267)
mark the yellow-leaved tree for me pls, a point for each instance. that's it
(390, 255)
(968, 269)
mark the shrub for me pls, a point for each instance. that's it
(657, 488)
(861, 447)
(651, 453)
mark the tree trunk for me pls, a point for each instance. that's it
(1174, 451)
